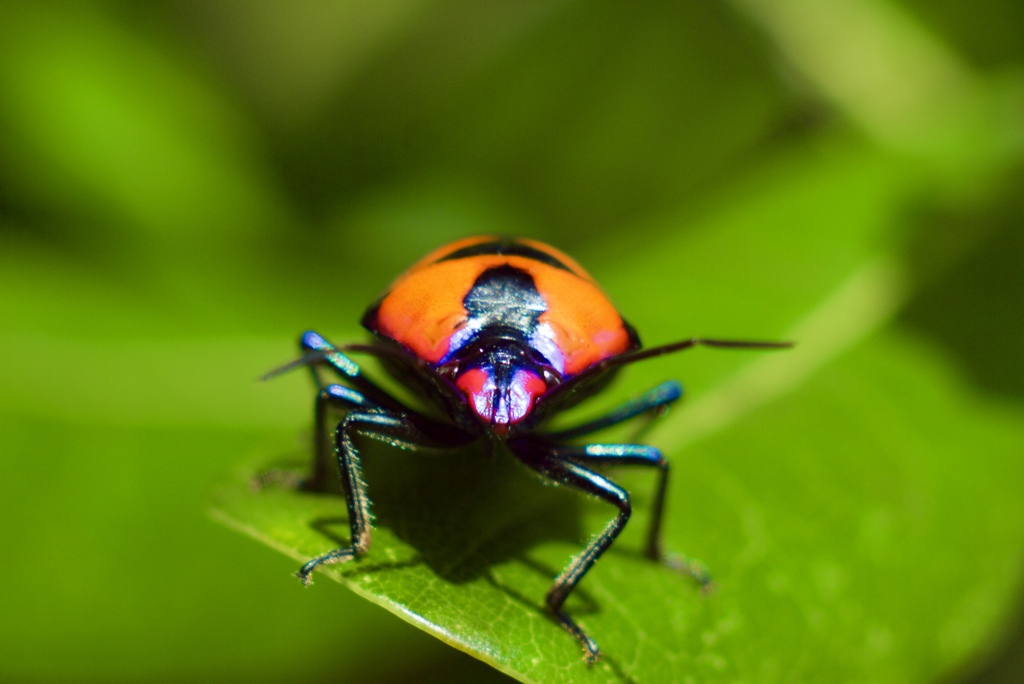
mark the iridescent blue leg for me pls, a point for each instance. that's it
(369, 397)
(318, 479)
(652, 400)
(397, 430)
(345, 368)
(339, 397)
(575, 475)
(640, 455)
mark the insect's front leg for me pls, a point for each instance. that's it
(574, 475)
(652, 401)
(350, 468)
(339, 397)
(397, 429)
(648, 457)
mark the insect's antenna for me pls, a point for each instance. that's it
(308, 359)
(315, 356)
(641, 354)
(632, 357)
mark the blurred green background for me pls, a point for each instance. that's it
(184, 187)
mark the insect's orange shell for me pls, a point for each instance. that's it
(424, 307)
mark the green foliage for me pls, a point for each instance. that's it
(185, 188)
(830, 492)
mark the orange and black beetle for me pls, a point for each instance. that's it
(499, 334)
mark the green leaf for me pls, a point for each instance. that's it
(857, 504)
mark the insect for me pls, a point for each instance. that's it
(499, 334)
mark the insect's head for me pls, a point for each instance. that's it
(502, 378)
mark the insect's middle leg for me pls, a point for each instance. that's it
(345, 368)
(398, 430)
(650, 402)
(318, 479)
